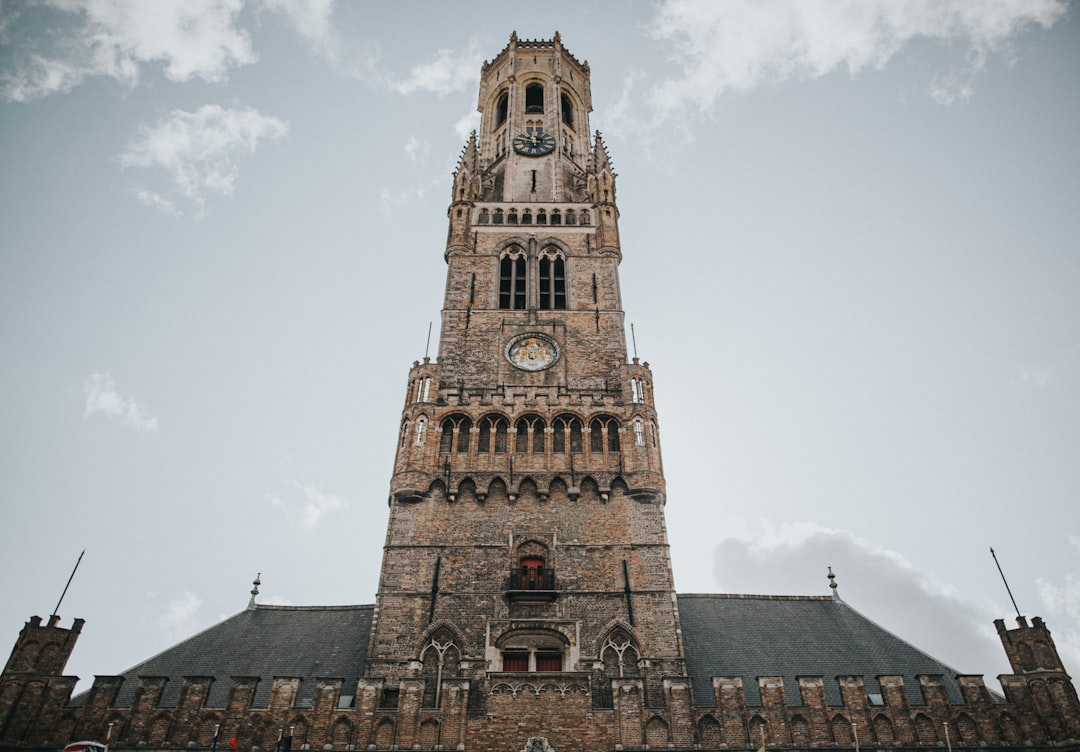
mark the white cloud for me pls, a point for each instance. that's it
(313, 21)
(310, 508)
(199, 151)
(115, 38)
(416, 149)
(447, 72)
(878, 582)
(181, 617)
(740, 44)
(391, 200)
(467, 124)
(1032, 376)
(1062, 600)
(102, 397)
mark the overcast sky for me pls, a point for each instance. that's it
(850, 236)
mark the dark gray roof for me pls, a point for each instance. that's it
(790, 636)
(267, 641)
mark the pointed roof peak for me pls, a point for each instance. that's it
(254, 591)
(833, 586)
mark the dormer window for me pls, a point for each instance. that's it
(534, 98)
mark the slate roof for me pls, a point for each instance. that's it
(267, 641)
(790, 636)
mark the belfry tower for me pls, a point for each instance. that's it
(526, 542)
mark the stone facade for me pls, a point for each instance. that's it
(526, 598)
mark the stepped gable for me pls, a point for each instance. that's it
(792, 636)
(267, 642)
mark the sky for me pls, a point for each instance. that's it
(850, 239)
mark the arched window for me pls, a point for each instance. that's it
(639, 432)
(534, 98)
(404, 431)
(541, 217)
(455, 434)
(421, 427)
(552, 282)
(637, 391)
(566, 430)
(527, 424)
(567, 110)
(600, 428)
(512, 280)
(512, 217)
(526, 217)
(492, 427)
(556, 217)
(440, 659)
(501, 109)
(532, 650)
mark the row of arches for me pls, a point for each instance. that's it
(567, 433)
(541, 217)
(530, 434)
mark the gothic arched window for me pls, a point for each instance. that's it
(455, 434)
(501, 109)
(512, 280)
(567, 110)
(527, 424)
(552, 282)
(600, 428)
(534, 98)
(566, 429)
(492, 427)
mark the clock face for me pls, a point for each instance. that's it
(532, 352)
(534, 142)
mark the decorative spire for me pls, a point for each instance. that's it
(833, 586)
(254, 591)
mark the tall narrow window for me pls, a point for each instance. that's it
(567, 110)
(512, 281)
(534, 98)
(639, 432)
(421, 426)
(637, 392)
(455, 434)
(552, 282)
(603, 434)
(492, 434)
(501, 109)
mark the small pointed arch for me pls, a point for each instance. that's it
(502, 108)
(300, 726)
(466, 490)
(566, 434)
(584, 217)
(657, 733)
(556, 217)
(567, 110)
(529, 428)
(526, 217)
(534, 97)
(483, 218)
(512, 217)
(925, 730)
(967, 729)
(404, 431)
(496, 490)
(883, 729)
(709, 732)
(590, 489)
(618, 485)
(557, 488)
(384, 734)
(571, 217)
(541, 217)
(341, 733)
(800, 731)
(492, 438)
(512, 278)
(527, 488)
(841, 730)
(603, 434)
(428, 737)
(437, 489)
(1044, 655)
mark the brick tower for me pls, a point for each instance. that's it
(526, 555)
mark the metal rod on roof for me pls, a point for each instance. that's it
(72, 577)
(633, 338)
(1007, 588)
(427, 347)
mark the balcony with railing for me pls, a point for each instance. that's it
(532, 584)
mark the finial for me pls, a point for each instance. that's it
(255, 590)
(833, 585)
